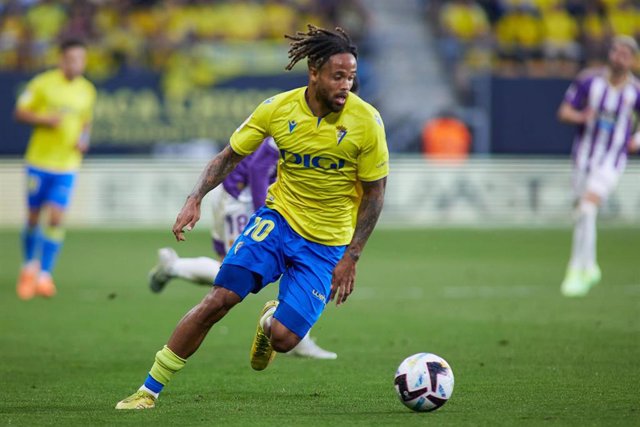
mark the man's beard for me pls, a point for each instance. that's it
(324, 98)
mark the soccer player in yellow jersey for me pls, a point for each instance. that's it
(318, 216)
(58, 104)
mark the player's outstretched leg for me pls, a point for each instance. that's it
(307, 347)
(200, 270)
(262, 352)
(185, 340)
(160, 275)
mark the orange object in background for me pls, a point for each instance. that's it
(446, 137)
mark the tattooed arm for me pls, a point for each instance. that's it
(344, 273)
(214, 173)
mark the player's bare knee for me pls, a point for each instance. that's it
(55, 223)
(216, 304)
(283, 342)
(56, 216)
(282, 345)
(592, 198)
(34, 217)
(220, 299)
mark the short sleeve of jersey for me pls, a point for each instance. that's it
(373, 162)
(578, 93)
(248, 137)
(31, 98)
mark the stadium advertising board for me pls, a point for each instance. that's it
(493, 193)
(133, 114)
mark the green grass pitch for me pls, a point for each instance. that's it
(486, 300)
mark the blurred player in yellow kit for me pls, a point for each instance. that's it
(58, 104)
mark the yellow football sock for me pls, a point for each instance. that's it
(167, 363)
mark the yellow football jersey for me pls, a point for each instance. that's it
(322, 161)
(50, 92)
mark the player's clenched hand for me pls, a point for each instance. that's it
(343, 280)
(187, 218)
(634, 143)
(82, 147)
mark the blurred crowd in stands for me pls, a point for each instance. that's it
(162, 35)
(537, 38)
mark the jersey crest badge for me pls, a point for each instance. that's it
(292, 125)
(341, 132)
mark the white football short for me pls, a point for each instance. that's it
(230, 216)
(600, 181)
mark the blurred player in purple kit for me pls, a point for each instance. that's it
(241, 194)
(602, 103)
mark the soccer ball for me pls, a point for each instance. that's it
(424, 382)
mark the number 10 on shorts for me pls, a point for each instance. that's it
(260, 229)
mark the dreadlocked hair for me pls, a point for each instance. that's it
(318, 45)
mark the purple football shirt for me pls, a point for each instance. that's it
(256, 171)
(602, 143)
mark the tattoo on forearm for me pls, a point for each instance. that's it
(368, 214)
(216, 171)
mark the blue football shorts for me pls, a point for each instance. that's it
(45, 187)
(271, 249)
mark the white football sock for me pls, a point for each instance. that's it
(575, 262)
(151, 392)
(266, 319)
(305, 339)
(200, 270)
(590, 212)
(584, 236)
